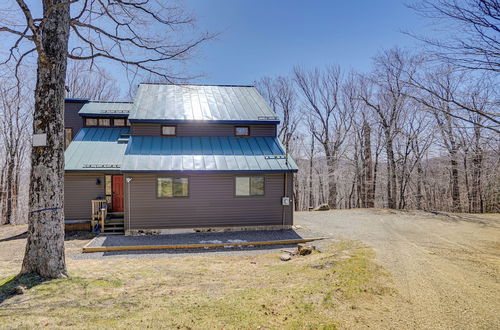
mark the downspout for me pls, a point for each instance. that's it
(128, 201)
(285, 194)
(286, 181)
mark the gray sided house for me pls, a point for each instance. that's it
(178, 157)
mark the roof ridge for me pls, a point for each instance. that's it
(100, 101)
(195, 84)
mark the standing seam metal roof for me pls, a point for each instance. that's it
(200, 102)
(105, 108)
(96, 149)
(206, 154)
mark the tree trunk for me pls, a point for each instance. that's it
(466, 180)
(321, 189)
(311, 198)
(368, 181)
(9, 187)
(45, 245)
(391, 173)
(420, 175)
(477, 164)
(375, 171)
(332, 182)
(455, 189)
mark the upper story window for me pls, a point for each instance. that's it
(168, 130)
(104, 122)
(107, 122)
(90, 121)
(242, 131)
(119, 122)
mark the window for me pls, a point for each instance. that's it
(119, 122)
(108, 190)
(68, 136)
(250, 186)
(90, 121)
(128, 122)
(104, 122)
(168, 130)
(242, 131)
(172, 187)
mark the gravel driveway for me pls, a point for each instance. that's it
(446, 267)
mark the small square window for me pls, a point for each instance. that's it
(168, 130)
(104, 122)
(242, 131)
(90, 122)
(119, 122)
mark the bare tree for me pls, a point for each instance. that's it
(142, 36)
(368, 186)
(386, 93)
(329, 121)
(96, 84)
(473, 26)
(14, 124)
(280, 94)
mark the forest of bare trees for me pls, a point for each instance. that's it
(406, 135)
(418, 131)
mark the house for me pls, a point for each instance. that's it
(178, 157)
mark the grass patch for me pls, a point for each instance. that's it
(203, 292)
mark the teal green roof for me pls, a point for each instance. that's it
(97, 148)
(218, 154)
(105, 149)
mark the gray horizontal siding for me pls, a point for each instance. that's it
(211, 203)
(79, 190)
(144, 129)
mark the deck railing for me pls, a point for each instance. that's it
(99, 212)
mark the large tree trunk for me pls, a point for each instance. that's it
(45, 245)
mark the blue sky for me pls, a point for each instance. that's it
(268, 37)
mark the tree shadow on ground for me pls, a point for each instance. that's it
(78, 235)
(12, 238)
(19, 284)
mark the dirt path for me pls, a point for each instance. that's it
(445, 267)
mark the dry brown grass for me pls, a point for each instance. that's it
(339, 287)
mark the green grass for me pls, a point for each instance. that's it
(201, 292)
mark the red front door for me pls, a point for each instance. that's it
(117, 193)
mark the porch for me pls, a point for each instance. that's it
(102, 219)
